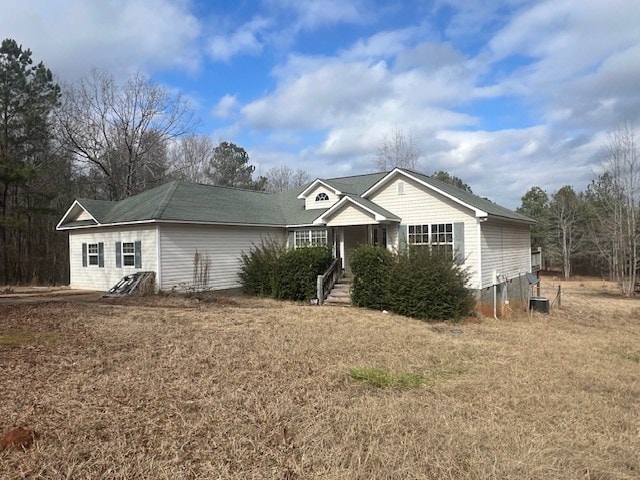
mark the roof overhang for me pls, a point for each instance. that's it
(315, 184)
(169, 222)
(399, 172)
(377, 216)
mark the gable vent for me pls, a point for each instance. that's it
(400, 188)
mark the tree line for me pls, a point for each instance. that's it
(98, 138)
(104, 139)
(596, 231)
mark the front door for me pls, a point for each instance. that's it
(379, 236)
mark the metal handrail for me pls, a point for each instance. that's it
(327, 280)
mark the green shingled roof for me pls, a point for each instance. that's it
(186, 202)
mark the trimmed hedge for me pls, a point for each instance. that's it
(371, 269)
(271, 270)
(418, 283)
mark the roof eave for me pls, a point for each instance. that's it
(175, 222)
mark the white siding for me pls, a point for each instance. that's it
(93, 277)
(351, 214)
(223, 245)
(83, 215)
(418, 206)
(310, 200)
(506, 249)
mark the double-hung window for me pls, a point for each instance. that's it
(310, 238)
(129, 254)
(93, 254)
(442, 237)
(435, 235)
(419, 234)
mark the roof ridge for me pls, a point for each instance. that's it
(228, 187)
(352, 176)
(166, 199)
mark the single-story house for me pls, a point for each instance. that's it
(162, 229)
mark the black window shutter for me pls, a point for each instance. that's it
(138, 254)
(101, 255)
(118, 254)
(84, 254)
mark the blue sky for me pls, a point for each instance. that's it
(504, 94)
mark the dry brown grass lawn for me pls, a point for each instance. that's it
(252, 389)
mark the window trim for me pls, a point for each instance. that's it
(322, 197)
(320, 239)
(128, 256)
(124, 256)
(439, 235)
(95, 257)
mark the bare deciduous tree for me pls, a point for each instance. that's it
(397, 150)
(282, 177)
(119, 131)
(189, 157)
(618, 201)
(565, 227)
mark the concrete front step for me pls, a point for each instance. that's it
(340, 293)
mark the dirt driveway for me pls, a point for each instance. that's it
(32, 295)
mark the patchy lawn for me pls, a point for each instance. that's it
(245, 388)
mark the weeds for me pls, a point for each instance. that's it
(632, 356)
(26, 338)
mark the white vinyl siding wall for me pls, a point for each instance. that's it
(351, 215)
(506, 250)
(97, 278)
(223, 245)
(310, 200)
(420, 206)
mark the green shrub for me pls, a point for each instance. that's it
(429, 285)
(272, 270)
(371, 269)
(298, 271)
(260, 268)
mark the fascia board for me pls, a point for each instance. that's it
(314, 184)
(478, 212)
(66, 214)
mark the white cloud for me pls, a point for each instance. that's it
(226, 106)
(245, 40)
(311, 14)
(320, 98)
(580, 54)
(119, 36)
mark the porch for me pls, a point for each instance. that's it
(345, 239)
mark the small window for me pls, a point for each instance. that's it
(322, 197)
(128, 254)
(92, 253)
